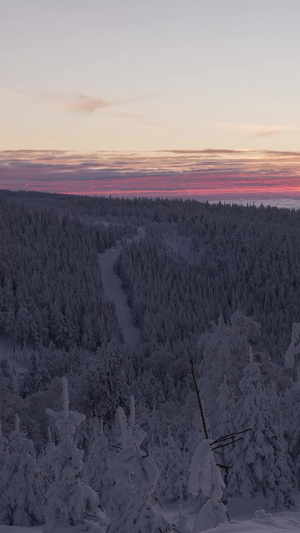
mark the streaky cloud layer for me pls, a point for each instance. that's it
(211, 174)
(258, 130)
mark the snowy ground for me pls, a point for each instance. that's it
(264, 523)
(244, 519)
(113, 290)
(287, 521)
(15, 529)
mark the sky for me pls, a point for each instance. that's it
(197, 98)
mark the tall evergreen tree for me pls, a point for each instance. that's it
(97, 463)
(22, 501)
(205, 477)
(262, 462)
(70, 501)
(134, 471)
(172, 482)
(3, 449)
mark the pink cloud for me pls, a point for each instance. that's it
(82, 102)
(204, 174)
(258, 130)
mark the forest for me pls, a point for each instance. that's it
(100, 423)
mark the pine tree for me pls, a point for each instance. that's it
(205, 476)
(172, 482)
(22, 500)
(225, 351)
(291, 356)
(45, 462)
(23, 324)
(134, 471)
(3, 449)
(10, 326)
(70, 501)
(262, 463)
(225, 415)
(97, 463)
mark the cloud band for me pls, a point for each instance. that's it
(203, 174)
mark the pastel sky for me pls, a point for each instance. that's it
(158, 98)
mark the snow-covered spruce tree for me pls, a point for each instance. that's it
(291, 357)
(3, 449)
(98, 462)
(226, 410)
(226, 415)
(294, 433)
(70, 501)
(290, 400)
(290, 396)
(121, 493)
(262, 463)
(135, 475)
(225, 351)
(172, 483)
(22, 500)
(205, 476)
(46, 465)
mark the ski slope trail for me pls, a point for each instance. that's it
(113, 290)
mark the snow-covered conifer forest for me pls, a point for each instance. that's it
(119, 319)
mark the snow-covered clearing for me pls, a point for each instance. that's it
(113, 290)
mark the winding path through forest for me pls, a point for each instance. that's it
(113, 290)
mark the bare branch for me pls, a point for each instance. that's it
(225, 467)
(226, 444)
(230, 436)
(199, 400)
(145, 452)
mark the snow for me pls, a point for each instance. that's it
(7, 353)
(262, 522)
(182, 248)
(294, 348)
(113, 290)
(70, 500)
(204, 473)
(12, 358)
(19, 529)
(135, 474)
(251, 515)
